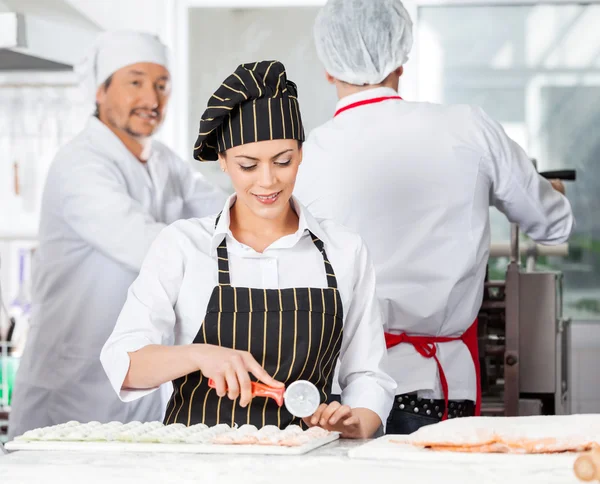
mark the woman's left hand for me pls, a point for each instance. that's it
(336, 417)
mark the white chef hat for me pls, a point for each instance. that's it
(363, 41)
(117, 49)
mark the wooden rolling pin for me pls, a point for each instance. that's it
(587, 466)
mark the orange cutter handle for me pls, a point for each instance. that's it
(260, 390)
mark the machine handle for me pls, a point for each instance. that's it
(570, 175)
(260, 390)
(503, 249)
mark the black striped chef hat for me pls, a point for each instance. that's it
(255, 103)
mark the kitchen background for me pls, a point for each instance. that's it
(534, 66)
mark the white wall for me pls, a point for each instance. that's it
(145, 15)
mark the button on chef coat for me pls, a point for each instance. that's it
(169, 298)
(416, 181)
(101, 210)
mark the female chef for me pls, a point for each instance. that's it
(262, 291)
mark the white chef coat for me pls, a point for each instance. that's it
(416, 181)
(101, 210)
(168, 300)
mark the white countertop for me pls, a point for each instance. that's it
(329, 464)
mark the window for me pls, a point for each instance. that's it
(536, 69)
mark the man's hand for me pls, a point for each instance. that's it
(352, 423)
(558, 185)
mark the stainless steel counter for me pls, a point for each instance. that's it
(329, 464)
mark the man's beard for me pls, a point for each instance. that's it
(134, 134)
(127, 127)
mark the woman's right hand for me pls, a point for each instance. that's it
(230, 370)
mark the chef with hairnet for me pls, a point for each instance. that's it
(416, 181)
(108, 194)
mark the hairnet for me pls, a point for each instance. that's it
(363, 41)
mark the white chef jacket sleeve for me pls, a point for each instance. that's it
(97, 207)
(518, 191)
(363, 356)
(201, 198)
(148, 316)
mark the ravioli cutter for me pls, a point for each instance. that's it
(301, 398)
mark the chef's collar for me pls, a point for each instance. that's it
(306, 223)
(364, 96)
(106, 139)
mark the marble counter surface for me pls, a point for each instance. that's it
(328, 464)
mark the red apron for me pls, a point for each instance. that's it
(425, 345)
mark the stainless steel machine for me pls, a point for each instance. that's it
(524, 339)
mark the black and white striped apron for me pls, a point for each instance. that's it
(294, 333)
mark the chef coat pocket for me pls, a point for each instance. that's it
(173, 209)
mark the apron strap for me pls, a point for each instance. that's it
(223, 261)
(331, 279)
(223, 264)
(363, 103)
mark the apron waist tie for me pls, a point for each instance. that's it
(426, 347)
